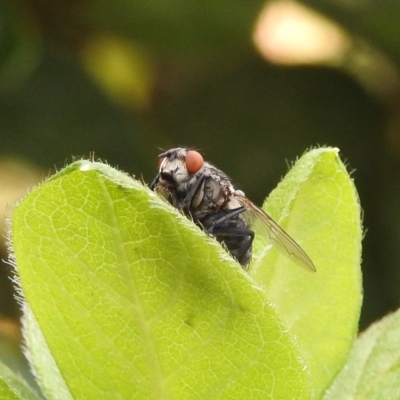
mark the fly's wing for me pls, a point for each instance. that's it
(254, 215)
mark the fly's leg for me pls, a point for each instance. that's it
(185, 203)
(221, 225)
(240, 252)
(218, 219)
(155, 180)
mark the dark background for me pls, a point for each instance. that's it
(126, 78)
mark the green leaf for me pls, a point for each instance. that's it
(372, 370)
(13, 387)
(126, 298)
(317, 204)
(42, 361)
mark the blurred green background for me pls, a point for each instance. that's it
(252, 84)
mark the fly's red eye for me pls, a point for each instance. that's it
(160, 160)
(194, 161)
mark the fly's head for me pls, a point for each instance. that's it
(179, 168)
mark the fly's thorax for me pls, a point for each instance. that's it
(210, 197)
(214, 194)
(233, 203)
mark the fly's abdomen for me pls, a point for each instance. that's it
(232, 232)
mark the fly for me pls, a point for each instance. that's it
(206, 195)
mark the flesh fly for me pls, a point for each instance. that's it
(206, 195)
